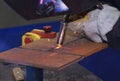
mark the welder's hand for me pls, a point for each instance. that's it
(77, 26)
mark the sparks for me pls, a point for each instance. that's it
(58, 46)
(41, 1)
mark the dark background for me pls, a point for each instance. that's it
(9, 18)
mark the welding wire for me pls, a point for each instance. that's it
(61, 34)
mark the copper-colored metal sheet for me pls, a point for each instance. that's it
(42, 53)
(76, 47)
(46, 44)
(42, 44)
(82, 47)
(41, 59)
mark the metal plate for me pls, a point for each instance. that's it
(41, 59)
(76, 47)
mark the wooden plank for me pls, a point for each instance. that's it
(41, 59)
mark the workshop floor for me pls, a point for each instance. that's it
(72, 73)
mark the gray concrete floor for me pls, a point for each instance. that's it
(73, 73)
(6, 73)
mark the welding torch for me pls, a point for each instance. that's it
(61, 33)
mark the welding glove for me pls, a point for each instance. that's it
(99, 23)
(77, 26)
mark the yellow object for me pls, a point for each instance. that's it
(38, 30)
(33, 36)
(83, 19)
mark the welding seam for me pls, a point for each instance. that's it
(55, 52)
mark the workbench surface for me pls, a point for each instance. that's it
(42, 54)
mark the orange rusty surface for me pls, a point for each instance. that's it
(82, 47)
(76, 47)
(41, 59)
(42, 44)
(42, 54)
